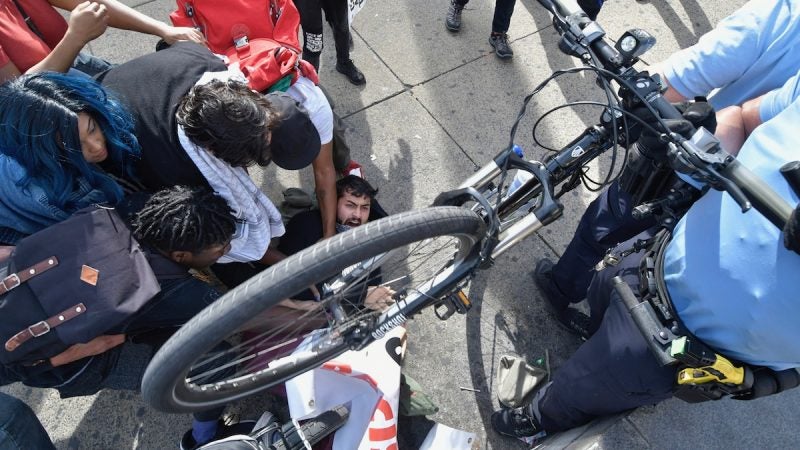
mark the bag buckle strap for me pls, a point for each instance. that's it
(15, 279)
(39, 329)
(9, 283)
(44, 326)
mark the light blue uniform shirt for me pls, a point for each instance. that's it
(749, 53)
(732, 282)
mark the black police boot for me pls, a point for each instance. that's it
(570, 319)
(517, 422)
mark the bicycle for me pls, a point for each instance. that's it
(270, 435)
(427, 257)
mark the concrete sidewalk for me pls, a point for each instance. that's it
(437, 106)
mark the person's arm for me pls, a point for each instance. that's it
(127, 18)
(87, 21)
(774, 102)
(730, 129)
(671, 95)
(325, 188)
(734, 124)
(720, 56)
(94, 347)
(272, 256)
(751, 114)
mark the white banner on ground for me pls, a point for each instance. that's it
(368, 379)
(443, 437)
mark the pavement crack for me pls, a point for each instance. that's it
(444, 129)
(638, 430)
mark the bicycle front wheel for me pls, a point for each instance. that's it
(264, 332)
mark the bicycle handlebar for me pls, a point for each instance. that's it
(702, 154)
(562, 8)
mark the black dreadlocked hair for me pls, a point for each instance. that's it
(182, 218)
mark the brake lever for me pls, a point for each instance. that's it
(731, 188)
(702, 154)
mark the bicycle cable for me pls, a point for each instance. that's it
(612, 106)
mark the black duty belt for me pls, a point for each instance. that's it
(651, 282)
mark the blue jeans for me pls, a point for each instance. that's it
(90, 65)
(20, 429)
(606, 222)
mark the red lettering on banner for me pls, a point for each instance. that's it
(368, 379)
(389, 433)
(338, 368)
(382, 434)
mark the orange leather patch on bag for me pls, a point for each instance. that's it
(89, 275)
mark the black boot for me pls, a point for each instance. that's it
(348, 69)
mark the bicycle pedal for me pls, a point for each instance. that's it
(457, 302)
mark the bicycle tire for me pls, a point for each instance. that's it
(165, 385)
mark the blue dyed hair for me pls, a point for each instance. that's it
(39, 129)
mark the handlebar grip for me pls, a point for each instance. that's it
(665, 109)
(760, 194)
(791, 172)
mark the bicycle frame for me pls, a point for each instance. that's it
(584, 39)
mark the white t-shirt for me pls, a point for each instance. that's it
(319, 109)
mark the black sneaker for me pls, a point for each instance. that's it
(223, 431)
(516, 423)
(499, 41)
(348, 69)
(570, 319)
(453, 19)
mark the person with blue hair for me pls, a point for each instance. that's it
(56, 131)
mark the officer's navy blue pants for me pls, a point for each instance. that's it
(606, 222)
(611, 372)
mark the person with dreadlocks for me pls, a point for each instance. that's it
(185, 228)
(190, 226)
(179, 228)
